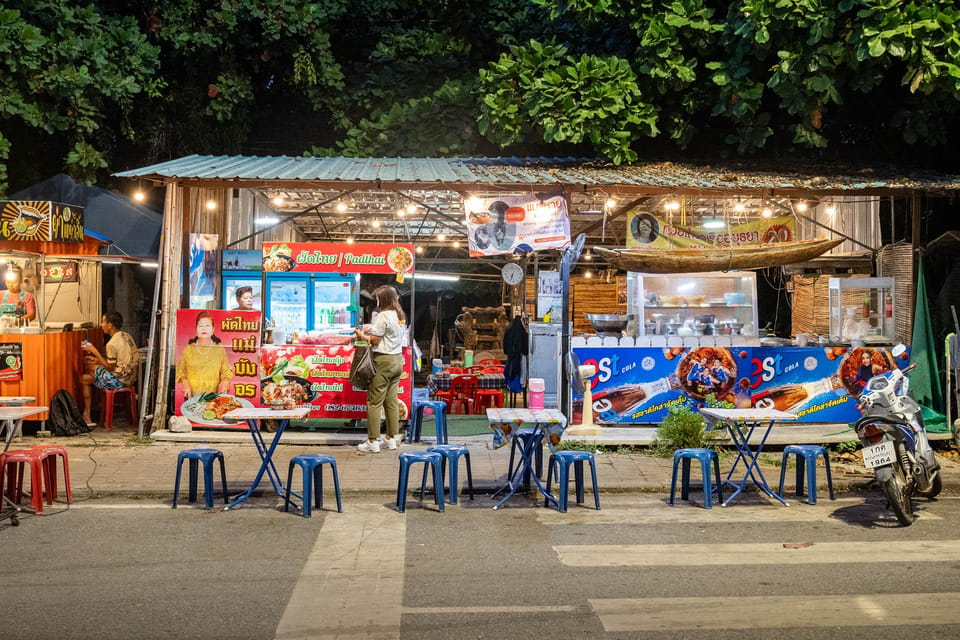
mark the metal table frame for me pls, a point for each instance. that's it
(252, 416)
(740, 424)
(540, 418)
(12, 417)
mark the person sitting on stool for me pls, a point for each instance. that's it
(115, 371)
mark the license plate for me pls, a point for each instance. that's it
(877, 455)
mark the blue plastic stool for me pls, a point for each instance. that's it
(195, 457)
(807, 455)
(312, 466)
(406, 461)
(705, 456)
(563, 460)
(439, 418)
(524, 435)
(453, 453)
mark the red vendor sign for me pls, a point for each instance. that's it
(317, 376)
(315, 257)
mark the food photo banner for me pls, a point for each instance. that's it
(11, 361)
(218, 365)
(818, 384)
(648, 230)
(313, 257)
(40, 220)
(516, 224)
(317, 377)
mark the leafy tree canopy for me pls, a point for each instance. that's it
(111, 84)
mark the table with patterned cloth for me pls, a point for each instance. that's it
(441, 382)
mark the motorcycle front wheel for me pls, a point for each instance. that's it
(897, 491)
(936, 486)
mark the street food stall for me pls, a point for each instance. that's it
(45, 254)
(298, 350)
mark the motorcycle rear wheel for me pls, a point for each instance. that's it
(935, 488)
(897, 491)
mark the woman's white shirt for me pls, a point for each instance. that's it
(387, 327)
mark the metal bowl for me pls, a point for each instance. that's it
(607, 321)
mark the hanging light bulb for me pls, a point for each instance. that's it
(831, 210)
(671, 205)
(419, 250)
(375, 224)
(611, 203)
(738, 207)
(588, 274)
(350, 240)
(441, 237)
(767, 212)
(139, 195)
(588, 256)
(456, 244)
(211, 205)
(472, 204)
(411, 208)
(341, 207)
(401, 213)
(801, 206)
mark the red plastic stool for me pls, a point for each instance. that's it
(13, 463)
(108, 398)
(51, 453)
(488, 399)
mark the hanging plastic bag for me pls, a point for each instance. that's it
(362, 368)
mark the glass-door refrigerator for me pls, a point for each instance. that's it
(311, 302)
(241, 268)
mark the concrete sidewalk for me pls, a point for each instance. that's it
(115, 463)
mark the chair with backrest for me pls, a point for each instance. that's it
(493, 368)
(463, 391)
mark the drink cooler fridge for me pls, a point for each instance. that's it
(317, 302)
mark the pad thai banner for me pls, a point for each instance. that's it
(648, 230)
(218, 365)
(516, 224)
(318, 377)
(817, 384)
(41, 220)
(313, 257)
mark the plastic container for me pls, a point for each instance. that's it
(468, 358)
(535, 389)
(437, 366)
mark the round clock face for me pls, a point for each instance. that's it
(512, 274)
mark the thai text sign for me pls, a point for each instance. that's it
(217, 364)
(11, 361)
(338, 258)
(648, 230)
(516, 224)
(40, 220)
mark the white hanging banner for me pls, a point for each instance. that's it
(516, 224)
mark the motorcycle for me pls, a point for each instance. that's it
(895, 443)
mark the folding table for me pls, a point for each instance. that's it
(253, 415)
(740, 424)
(549, 423)
(16, 401)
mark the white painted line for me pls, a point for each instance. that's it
(519, 609)
(687, 555)
(770, 612)
(695, 513)
(352, 583)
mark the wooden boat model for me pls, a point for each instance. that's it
(699, 259)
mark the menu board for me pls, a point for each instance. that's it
(11, 361)
(317, 377)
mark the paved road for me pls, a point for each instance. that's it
(636, 569)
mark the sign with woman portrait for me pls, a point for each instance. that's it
(516, 224)
(648, 230)
(217, 365)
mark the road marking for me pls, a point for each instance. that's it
(561, 608)
(687, 513)
(687, 555)
(352, 583)
(768, 612)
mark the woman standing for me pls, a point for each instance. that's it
(203, 366)
(385, 335)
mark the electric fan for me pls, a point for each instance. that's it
(580, 376)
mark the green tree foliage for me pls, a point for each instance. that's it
(69, 71)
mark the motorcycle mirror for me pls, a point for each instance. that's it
(898, 350)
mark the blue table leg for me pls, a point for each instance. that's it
(526, 464)
(751, 459)
(267, 466)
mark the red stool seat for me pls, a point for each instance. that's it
(488, 399)
(109, 395)
(13, 463)
(51, 454)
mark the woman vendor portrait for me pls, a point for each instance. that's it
(15, 302)
(203, 366)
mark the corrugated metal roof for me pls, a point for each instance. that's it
(526, 172)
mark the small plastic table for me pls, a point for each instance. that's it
(253, 415)
(17, 401)
(740, 424)
(549, 423)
